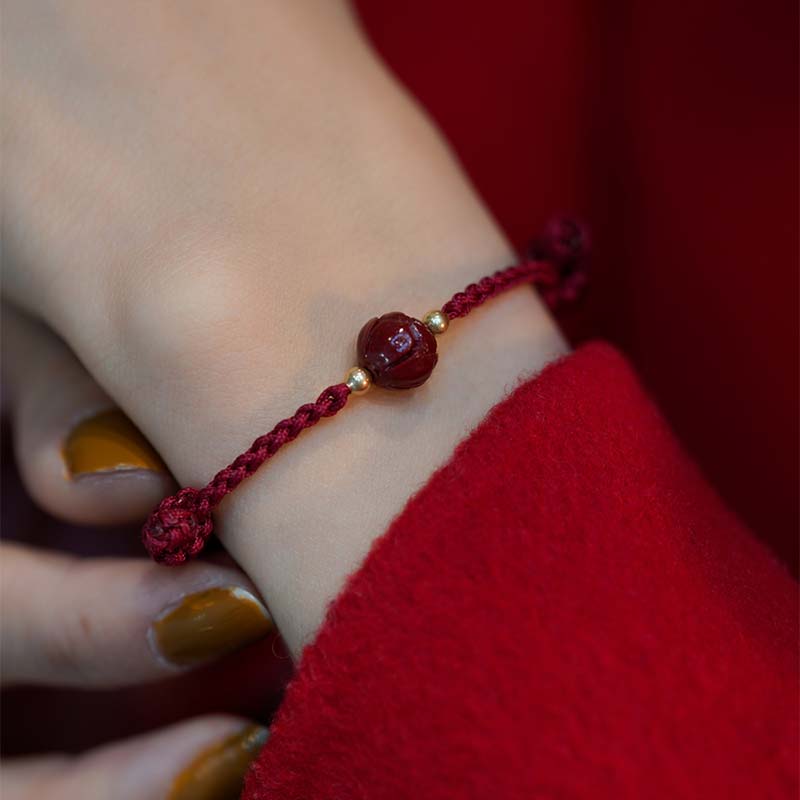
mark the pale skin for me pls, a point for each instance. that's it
(205, 205)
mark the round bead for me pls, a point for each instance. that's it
(436, 321)
(397, 350)
(358, 380)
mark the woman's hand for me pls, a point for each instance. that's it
(205, 204)
(90, 623)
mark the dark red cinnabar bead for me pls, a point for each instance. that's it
(397, 350)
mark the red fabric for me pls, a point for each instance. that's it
(565, 610)
(672, 128)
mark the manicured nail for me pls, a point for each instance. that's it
(208, 625)
(108, 442)
(218, 772)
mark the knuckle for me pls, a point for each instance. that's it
(184, 315)
(71, 648)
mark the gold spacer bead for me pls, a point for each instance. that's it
(358, 380)
(436, 321)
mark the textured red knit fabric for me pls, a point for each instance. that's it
(566, 610)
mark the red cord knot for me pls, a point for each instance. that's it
(565, 243)
(178, 528)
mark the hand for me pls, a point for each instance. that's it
(206, 206)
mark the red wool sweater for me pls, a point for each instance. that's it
(566, 610)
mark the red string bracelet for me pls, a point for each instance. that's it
(395, 351)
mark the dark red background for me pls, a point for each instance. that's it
(671, 127)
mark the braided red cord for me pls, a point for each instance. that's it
(542, 273)
(554, 266)
(180, 525)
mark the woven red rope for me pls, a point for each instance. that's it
(179, 527)
(554, 266)
(181, 524)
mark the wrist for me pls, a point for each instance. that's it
(242, 352)
(300, 526)
(304, 523)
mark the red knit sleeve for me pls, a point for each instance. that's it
(566, 610)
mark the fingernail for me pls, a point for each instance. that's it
(218, 772)
(208, 625)
(108, 442)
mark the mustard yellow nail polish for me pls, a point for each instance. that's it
(108, 442)
(208, 625)
(218, 772)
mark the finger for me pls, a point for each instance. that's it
(202, 759)
(79, 456)
(110, 622)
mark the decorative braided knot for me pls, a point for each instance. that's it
(179, 527)
(565, 243)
